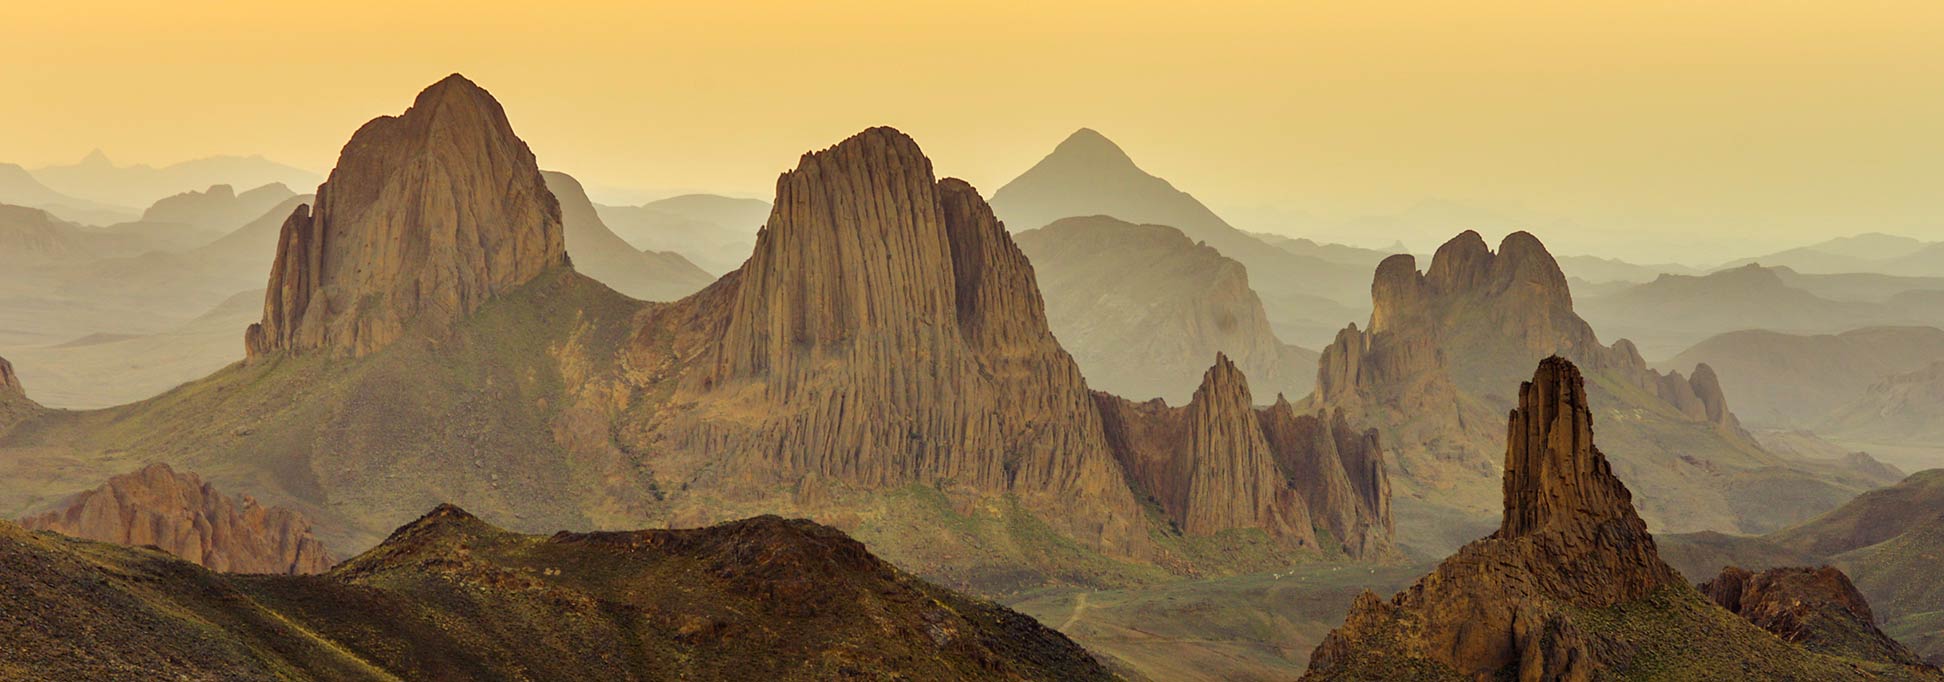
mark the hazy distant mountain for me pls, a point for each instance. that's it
(1307, 297)
(1858, 286)
(95, 178)
(1859, 253)
(1143, 309)
(20, 188)
(192, 219)
(1355, 256)
(104, 369)
(1903, 408)
(1676, 311)
(716, 232)
(1789, 380)
(31, 237)
(600, 254)
(1600, 270)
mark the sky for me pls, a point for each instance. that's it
(1683, 131)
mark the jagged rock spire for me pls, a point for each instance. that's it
(426, 216)
(1552, 470)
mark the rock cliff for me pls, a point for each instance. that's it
(14, 403)
(1143, 307)
(190, 519)
(426, 216)
(1818, 608)
(1570, 587)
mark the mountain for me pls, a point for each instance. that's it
(881, 362)
(1817, 608)
(396, 236)
(190, 519)
(95, 178)
(1219, 464)
(1677, 311)
(191, 219)
(32, 237)
(1900, 408)
(15, 407)
(1571, 586)
(1602, 270)
(1867, 252)
(598, 253)
(716, 232)
(1859, 286)
(450, 596)
(1305, 296)
(1439, 342)
(1142, 308)
(1795, 380)
(1354, 256)
(20, 188)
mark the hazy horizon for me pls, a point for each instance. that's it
(1658, 132)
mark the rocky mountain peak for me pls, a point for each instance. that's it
(189, 518)
(1088, 146)
(1553, 473)
(426, 216)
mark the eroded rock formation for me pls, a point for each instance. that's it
(14, 403)
(186, 517)
(1818, 608)
(426, 216)
(1569, 538)
(1219, 463)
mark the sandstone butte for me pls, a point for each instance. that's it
(426, 215)
(885, 333)
(1431, 369)
(1570, 586)
(186, 517)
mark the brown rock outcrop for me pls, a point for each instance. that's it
(186, 517)
(1818, 608)
(1339, 472)
(1569, 538)
(1208, 464)
(426, 216)
(1143, 307)
(887, 331)
(14, 403)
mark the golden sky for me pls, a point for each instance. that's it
(1740, 122)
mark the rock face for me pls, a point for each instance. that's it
(15, 406)
(1142, 307)
(598, 253)
(1430, 370)
(1219, 463)
(1569, 538)
(887, 331)
(1816, 607)
(190, 519)
(426, 216)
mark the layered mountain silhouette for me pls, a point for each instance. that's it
(20, 188)
(1677, 311)
(190, 519)
(716, 232)
(96, 178)
(882, 361)
(1901, 408)
(449, 596)
(1142, 309)
(1796, 380)
(1871, 252)
(598, 253)
(1306, 296)
(1572, 587)
(1426, 372)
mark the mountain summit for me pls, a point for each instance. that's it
(426, 215)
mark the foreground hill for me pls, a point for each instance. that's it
(1887, 539)
(451, 597)
(881, 362)
(1441, 344)
(1571, 587)
(1796, 380)
(1142, 309)
(1305, 296)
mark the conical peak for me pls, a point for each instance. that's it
(1088, 144)
(1223, 381)
(453, 90)
(1554, 475)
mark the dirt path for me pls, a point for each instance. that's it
(1079, 607)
